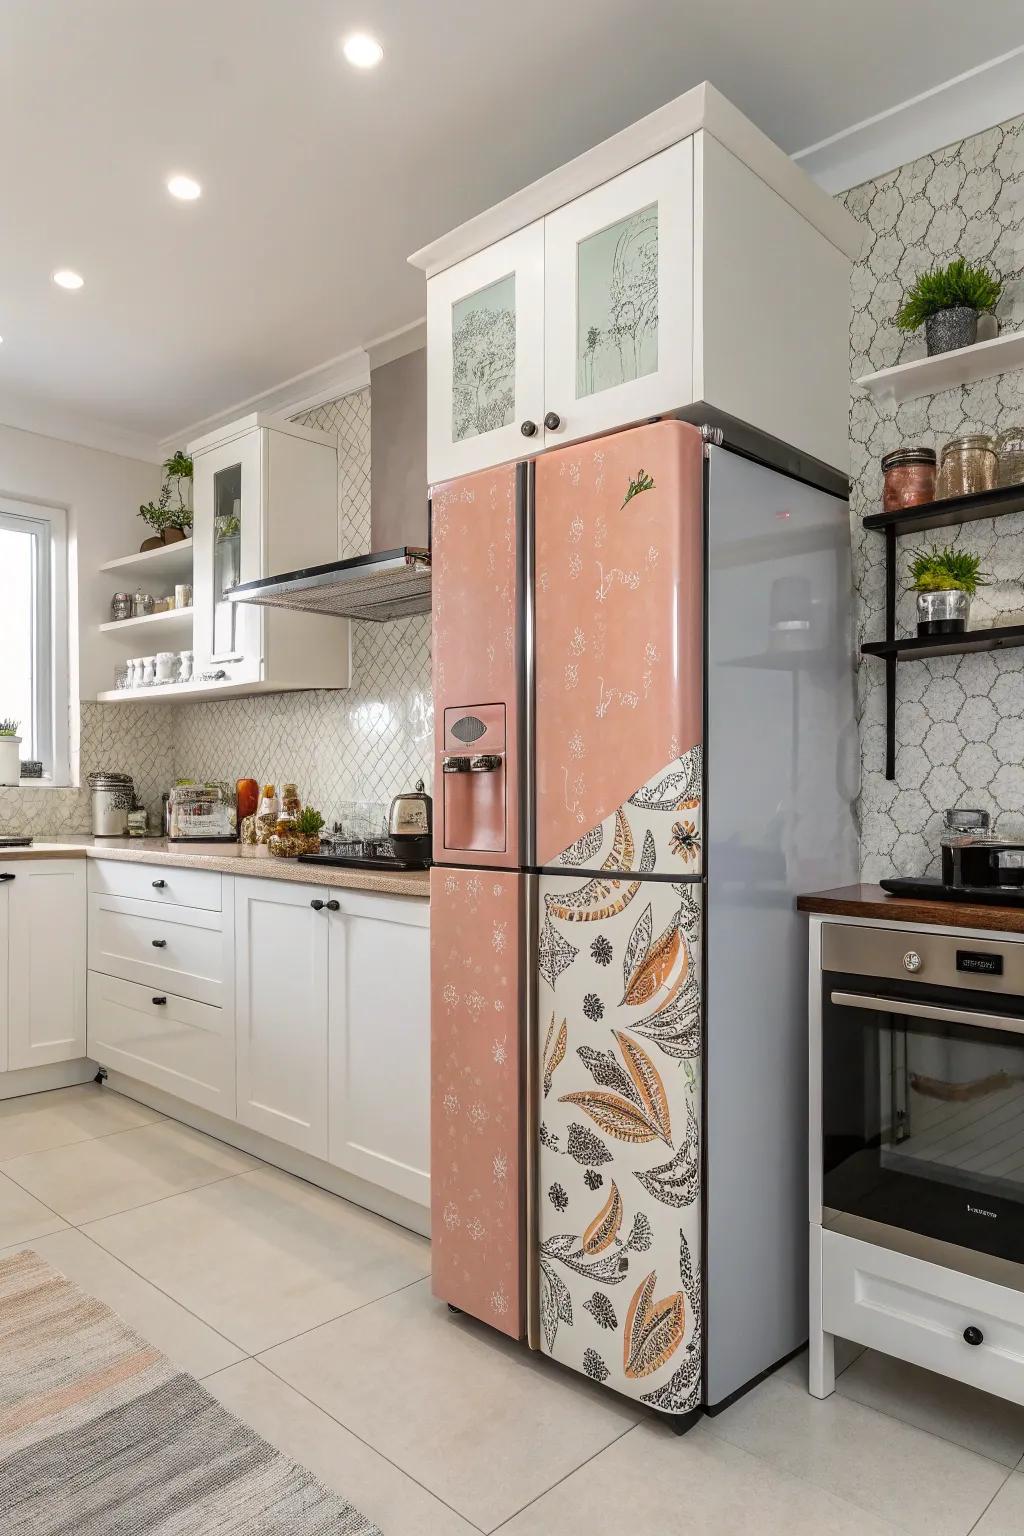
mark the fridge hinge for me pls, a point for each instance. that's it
(713, 437)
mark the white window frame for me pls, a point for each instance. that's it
(51, 696)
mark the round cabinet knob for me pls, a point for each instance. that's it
(529, 429)
(552, 421)
(334, 906)
(158, 885)
(160, 1001)
(912, 961)
(973, 1336)
(317, 906)
(159, 943)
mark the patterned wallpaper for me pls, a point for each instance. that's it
(959, 720)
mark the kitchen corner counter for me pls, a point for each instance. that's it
(872, 901)
(225, 858)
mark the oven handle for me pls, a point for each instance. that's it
(928, 1011)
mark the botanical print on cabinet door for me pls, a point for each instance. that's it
(475, 1093)
(484, 359)
(620, 1109)
(617, 303)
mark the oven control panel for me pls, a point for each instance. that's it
(941, 959)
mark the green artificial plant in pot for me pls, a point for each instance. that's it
(171, 517)
(945, 580)
(947, 302)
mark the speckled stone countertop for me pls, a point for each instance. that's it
(226, 858)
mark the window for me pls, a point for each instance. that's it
(33, 631)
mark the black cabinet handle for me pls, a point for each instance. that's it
(159, 943)
(158, 885)
(552, 421)
(6, 877)
(159, 1001)
(334, 906)
(973, 1336)
(529, 429)
(317, 906)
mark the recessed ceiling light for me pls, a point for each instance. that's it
(184, 187)
(362, 50)
(65, 278)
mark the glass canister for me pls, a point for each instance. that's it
(908, 478)
(968, 466)
(958, 829)
(121, 606)
(1010, 450)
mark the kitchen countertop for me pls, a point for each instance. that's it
(225, 858)
(872, 901)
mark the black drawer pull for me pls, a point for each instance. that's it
(6, 877)
(158, 885)
(317, 906)
(973, 1336)
(159, 1001)
(159, 943)
(334, 906)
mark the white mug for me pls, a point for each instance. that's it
(186, 667)
(135, 670)
(166, 662)
(148, 670)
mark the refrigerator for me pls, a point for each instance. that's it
(645, 748)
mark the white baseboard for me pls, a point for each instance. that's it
(60, 1074)
(405, 1213)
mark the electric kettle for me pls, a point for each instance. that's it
(410, 823)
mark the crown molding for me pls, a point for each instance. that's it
(980, 98)
(45, 420)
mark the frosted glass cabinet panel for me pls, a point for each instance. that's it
(227, 549)
(618, 293)
(485, 339)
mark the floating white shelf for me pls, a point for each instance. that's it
(931, 375)
(166, 692)
(170, 561)
(170, 618)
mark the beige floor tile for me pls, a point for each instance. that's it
(377, 1489)
(916, 1481)
(652, 1484)
(264, 1256)
(191, 1344)
(114, 1173)
(795, 1370)
(22, 1217)
(480, 1421)
(1005, 1515)
(43, 1120)
(989, 1425)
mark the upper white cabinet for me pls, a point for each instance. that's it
(46, 923)
(686, 266)
(265, 501)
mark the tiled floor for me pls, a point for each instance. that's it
(313, 1320)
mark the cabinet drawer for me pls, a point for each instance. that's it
(155, 882)
(177, 949)
(918, 1311)
(185, 1047)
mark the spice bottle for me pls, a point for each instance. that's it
(247, 798)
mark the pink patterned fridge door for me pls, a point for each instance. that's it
(476, 719)
(619, 653)
(476, 1093)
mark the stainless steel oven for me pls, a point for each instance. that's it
(923, 1086)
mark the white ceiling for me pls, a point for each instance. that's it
(319, 180)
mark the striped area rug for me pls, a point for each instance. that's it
(100, 1435)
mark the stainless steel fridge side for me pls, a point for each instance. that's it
(779, 675)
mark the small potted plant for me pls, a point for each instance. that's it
(945, 580)
(297, 834)
(10, 757)
(169, 519)
(947, 302)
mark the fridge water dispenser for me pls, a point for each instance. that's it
(473, 768)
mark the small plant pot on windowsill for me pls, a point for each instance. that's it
(949, 329)
(943, 613)
(10, 761)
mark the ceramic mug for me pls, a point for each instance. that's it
(135, 670)
(148, 670)
(185, 676)
(166, 666)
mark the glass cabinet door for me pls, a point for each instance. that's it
(618, 268)
(227, 558)
(227, 545)
(485, 357)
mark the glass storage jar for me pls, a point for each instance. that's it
(968, 466)
(1010, 450)
(908, 478)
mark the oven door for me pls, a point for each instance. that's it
(923, 1110)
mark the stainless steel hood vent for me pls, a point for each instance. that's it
(388, 584)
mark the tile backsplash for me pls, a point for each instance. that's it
(959, 719)
(364, 743)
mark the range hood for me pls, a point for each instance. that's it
(393, 580)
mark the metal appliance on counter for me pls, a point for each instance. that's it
(411, 824)
(201, 813)
(617, 1007)
(977, 865)
(113, 795)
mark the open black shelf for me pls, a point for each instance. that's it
(891, 650)
(955, 509)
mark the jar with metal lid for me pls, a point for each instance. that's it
(113, 795)
(121, 606)
(908, 478)
(968, 466)
(1009, 447)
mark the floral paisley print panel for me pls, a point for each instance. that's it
(619, 1195)
(619, 686)
(475, 1064)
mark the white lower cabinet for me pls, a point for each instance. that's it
(46, 928)
(281, 1011)
(380, 1041)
